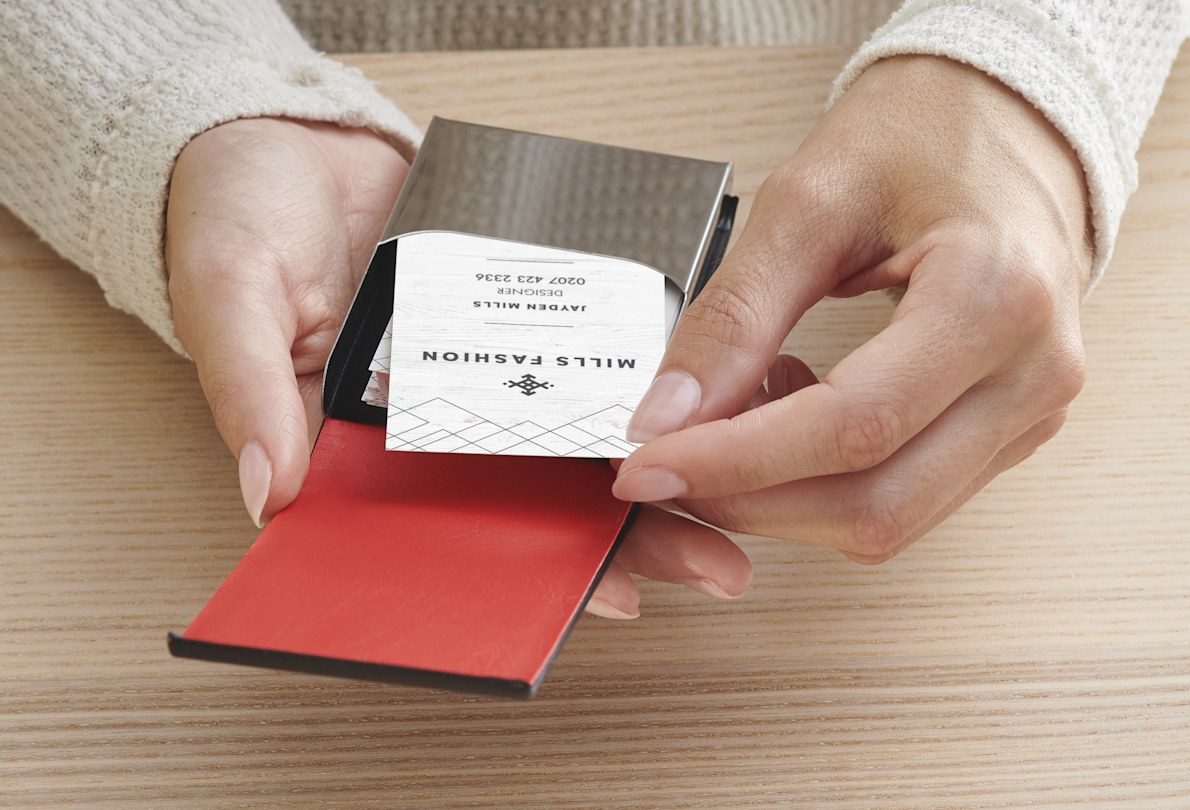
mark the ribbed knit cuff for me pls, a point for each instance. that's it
(178, 102)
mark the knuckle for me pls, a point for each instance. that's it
(1048, 428)
(726, 315)
(863, 559)
(876, 527)
(1027, 298)
(1067, 373)
(801, 188)
(1026, 295)
(866, 434)
(1005, 281)
(806, 208)
(1055, 379)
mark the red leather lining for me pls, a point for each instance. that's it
(469, 565)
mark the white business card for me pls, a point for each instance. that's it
(501, 347)
(376, 392)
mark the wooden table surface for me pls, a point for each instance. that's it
(1034, 650)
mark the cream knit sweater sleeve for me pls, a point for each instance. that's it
(98, 97)
(1094, 68)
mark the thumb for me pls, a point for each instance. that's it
(730, 334)
(240, 339)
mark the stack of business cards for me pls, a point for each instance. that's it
(499, 347)
(376, 393)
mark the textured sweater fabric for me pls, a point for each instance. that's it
(98, 97)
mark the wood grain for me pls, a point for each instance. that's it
(1035, 650)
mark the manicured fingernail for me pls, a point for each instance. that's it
(609, 611)
(256, 474)
(710, 587)
(649, 484)
(668, 404)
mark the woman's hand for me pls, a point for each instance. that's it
(926, 174)
(270, 227)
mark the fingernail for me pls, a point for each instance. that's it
(609, 611)
(710, 587)
(256, 474)
(649, 484)
(668, 404)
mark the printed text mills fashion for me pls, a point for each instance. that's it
(528, 359)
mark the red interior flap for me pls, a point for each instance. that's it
(472, 566)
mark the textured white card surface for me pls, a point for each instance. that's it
(505, 348)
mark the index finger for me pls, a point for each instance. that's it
(945, 337)
(789, 256)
